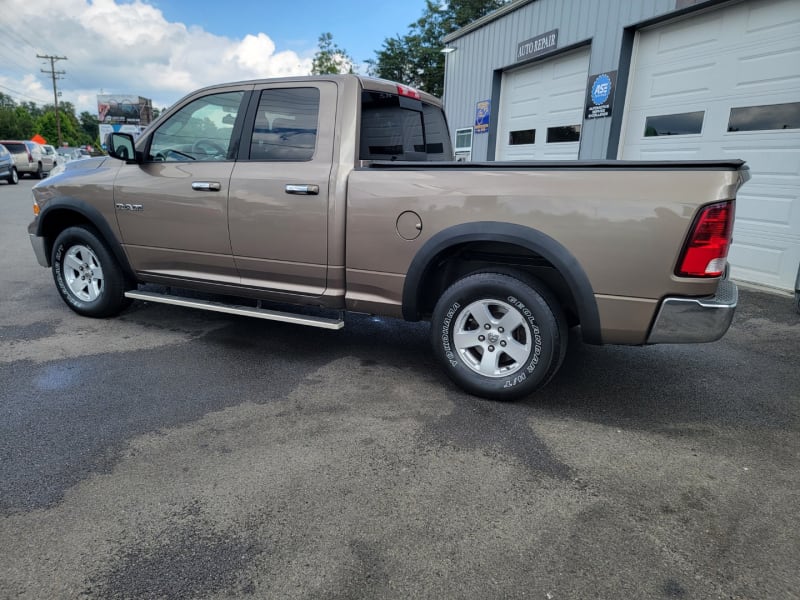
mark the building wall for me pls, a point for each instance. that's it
(472, 72)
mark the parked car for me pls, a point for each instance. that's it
(65, 153)
(49, 157)
(69, 153)
(8, 170)
(28, 157)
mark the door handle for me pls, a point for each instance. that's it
(306, 189)
(206, 186)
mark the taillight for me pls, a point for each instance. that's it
(706, 249)
(30, 156)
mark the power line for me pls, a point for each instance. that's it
(55, 75)
(23, 95)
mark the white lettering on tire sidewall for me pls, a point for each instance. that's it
(59, 269)
(445, 333)
(66, 293)
(533, 362)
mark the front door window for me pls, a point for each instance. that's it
(200, 131)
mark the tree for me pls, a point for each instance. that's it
(330, 59)
(89, 124)
(71, 132)
(16, 123)
(416, 59)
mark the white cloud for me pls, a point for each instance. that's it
(130, 48)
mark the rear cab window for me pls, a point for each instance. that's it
(402, 128)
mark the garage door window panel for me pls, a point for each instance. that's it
(563, 133)
(765, 117)
(522, 137)
(688, 123)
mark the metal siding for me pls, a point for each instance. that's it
(469, 72)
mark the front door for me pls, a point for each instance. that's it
(172, 209)
(278, 203)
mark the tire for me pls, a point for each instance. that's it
(39, 173)
(499, 336)
(87, 275)
(13, 177)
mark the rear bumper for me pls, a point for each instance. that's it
(693, 320)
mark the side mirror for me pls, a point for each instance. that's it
(120, 145)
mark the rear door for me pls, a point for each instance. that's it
(278, 207)
(172, 209)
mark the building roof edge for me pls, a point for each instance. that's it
(500, 12)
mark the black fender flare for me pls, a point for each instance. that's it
(510, 233)
(95, 218)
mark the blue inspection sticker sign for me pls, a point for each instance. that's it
(483, 111)
(601, 89)
(600, 95)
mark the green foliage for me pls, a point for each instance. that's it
(16, 123)
(24, 120)
(416, 59)
(330, 59)
(71, 133)
(89, 124)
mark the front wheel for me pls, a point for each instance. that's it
(499, 336)
(87, 275)
(13, 177)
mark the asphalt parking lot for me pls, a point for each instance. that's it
(171, 453)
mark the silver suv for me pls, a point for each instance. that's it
(28, 157)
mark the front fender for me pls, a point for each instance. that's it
(61, 211)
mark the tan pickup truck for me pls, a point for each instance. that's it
(341, 193)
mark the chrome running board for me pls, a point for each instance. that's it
(234, 309)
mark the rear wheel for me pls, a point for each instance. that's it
(87, 275)
(39, 172)
(498, 335)
(13, 177)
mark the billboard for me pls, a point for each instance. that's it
(124, 109)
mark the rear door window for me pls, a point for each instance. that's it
(285, 127)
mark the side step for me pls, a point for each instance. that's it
(233, 309)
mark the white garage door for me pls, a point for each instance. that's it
(726, 84)
(541, 109)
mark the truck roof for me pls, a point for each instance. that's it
(367, 83)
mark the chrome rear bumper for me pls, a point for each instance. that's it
(693, 320)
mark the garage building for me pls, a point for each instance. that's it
(644, 80)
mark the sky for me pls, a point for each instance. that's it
(164, 49)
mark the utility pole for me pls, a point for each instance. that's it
(55, 75)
